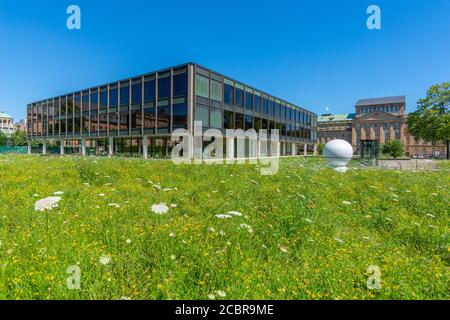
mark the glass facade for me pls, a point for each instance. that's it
(157, 103)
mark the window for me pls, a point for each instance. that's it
(124, 94)
(239, 120)
(265, 106)
(202, 86)
(179, 113)
(239, 98)
(248, 122)
(149, 89)
(228, 120)
(257, 103)
(164, 86)
(248, 101)
(113, 98)
(180, 83)
(202, 114)
(271, 108)
(228, 96)
(216, 91)
(216, 118)
(163, 116)
(136, 94)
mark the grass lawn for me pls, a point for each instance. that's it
(306, 233)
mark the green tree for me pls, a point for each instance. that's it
(431, 121)
(393, 148)
(320, 147)
(3, 138)
(19, 138)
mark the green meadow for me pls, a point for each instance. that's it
(307, 232)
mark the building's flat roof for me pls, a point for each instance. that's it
(336, 117)
(378, 101)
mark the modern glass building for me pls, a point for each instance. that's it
(136, 116)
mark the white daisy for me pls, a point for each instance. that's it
(160, 208)
(47, 203)
(104, 259)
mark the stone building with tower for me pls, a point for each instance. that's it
(380, 119)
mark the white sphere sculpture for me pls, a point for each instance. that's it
(338, 154)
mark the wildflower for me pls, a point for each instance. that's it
(58, 193)
(160, 208)
(282, 249)
(221, 293)
(104, 259)
(223, 216)
(47, 203)
(235, 213)
(173, 257)
(128, 241)
(173, 205)
(347, 203)
(246, 226)
(339, 240)
(101, 195)
(211, 229)
(125, 298)
(115, 205)
(172, 235)
(211, 296)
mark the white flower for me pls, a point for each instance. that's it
(101, 195)
(128, 241)
(347, 203)
(339, 240)
(160, 208)
(221, 293)
(172, 235)
(211, 296)
(211, 229)
(115, 205)
(35, 195)
(173, 257)
(125, 298)
(246, 226)
(235, 213)
(58, 193)
(104, 259)
(282, 249)
(47, 203)
(173, 205)
(223, 216)
(157, 186)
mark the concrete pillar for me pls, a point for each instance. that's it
(83, 147)
(305, 149)
(353, 136)
(110, 146)
(44, 147)
(391, 133)
(372, 133)
(315, 149)
(61, 147)
(230, 150)
(363, 133)
(145, 147)
(382, 135)
(403, 132)
(294, 149)
(29, 147)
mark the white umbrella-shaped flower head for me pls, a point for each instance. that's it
(47, 203)
(160, 208)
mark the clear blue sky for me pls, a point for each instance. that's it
(314, 53)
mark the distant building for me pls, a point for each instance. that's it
(6, 123)
(21, 125)
(382, 119)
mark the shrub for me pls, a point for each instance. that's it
(393, 148)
